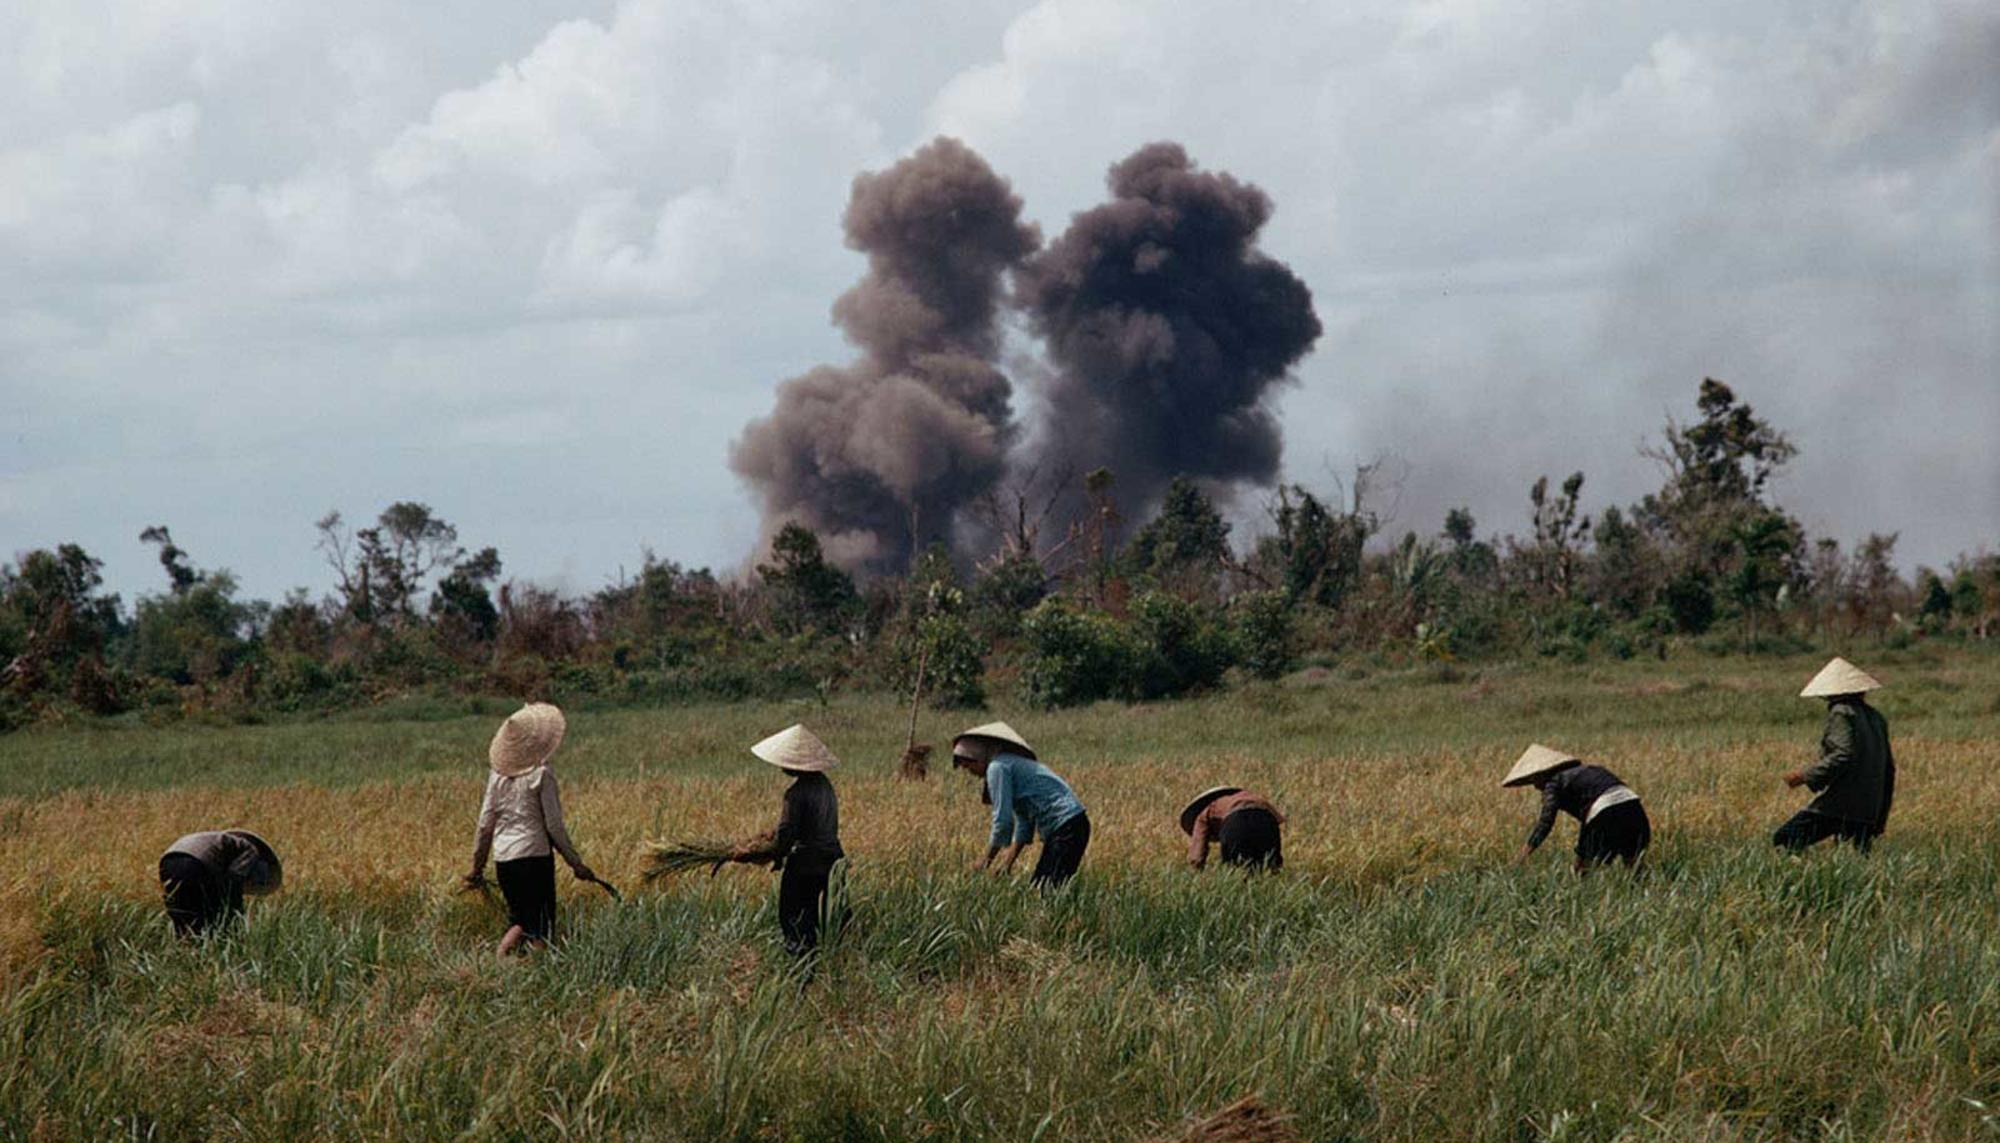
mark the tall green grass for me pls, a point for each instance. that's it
(1396, 982)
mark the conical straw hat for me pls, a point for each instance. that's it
(271, 877)
(999, 732)
(1536, 761)
(1839, 677)
(796, 748)
(526, 740)
(1200, 803)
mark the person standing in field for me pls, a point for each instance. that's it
(1613, 822)
(204, 876)
(520, 821)
(807, 841)
(1028, 799)
(1855, 776)
(1248, 826)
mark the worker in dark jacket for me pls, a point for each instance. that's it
(807, 840)
(1613, 820)
(1855, 776)
(204, 876)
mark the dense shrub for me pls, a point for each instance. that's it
(1266, 633)
(1182, 646)
(1074, 657)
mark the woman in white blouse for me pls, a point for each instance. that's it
(519, 823)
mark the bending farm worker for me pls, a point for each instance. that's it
(1613, 822)
(1247, 825)
(520, 821)
(1855, 776)
(204, 876)
(808, 834)
(1028, 799)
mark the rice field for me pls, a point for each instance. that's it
(1399, 981)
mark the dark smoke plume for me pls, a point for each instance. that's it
(1168, 329)
(880, 456)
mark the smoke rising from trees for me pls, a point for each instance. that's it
(1167, 334)
(880, 456)
(1169, 330)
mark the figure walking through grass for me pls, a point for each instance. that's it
(1855, 776)
(204, 876)
(1248, 827)
(806, 844)
(1612, 820)
(1028, 800)
(520, 821)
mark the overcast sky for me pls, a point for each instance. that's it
(264, 258)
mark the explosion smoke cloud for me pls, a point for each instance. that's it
(1168, 329)
(880, 456)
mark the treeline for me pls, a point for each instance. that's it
(1097, 610)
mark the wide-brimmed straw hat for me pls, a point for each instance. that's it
(276, 870)
(526, 740)
(1200, 803)
(1839, 677)
(796, 748)
(999, 732)
(1536, 761)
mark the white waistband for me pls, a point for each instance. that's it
(1615, 796)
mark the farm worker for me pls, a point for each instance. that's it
(204, 876)
(1855, 776)
(808, 834)
(1027, 799)
(1613, 822)
(519, 822)
(1247, 825)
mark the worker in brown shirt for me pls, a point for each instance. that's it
(1247, 825)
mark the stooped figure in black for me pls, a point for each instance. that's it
(1614, 823)
(1855, 773)
(807, 841)
(204, 876)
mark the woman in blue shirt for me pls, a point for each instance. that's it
(1028, 799)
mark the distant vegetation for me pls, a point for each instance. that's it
(1096, 608)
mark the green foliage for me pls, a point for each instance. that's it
(1188, 538)
(1266, 632)
(196, 634)
(1074, 657)
(806, 592)
(1183, 646)
(1005, 591)
(955, 663)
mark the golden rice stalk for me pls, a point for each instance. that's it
(663, 858)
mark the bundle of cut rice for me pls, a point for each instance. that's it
(666, 858)
(1247, 1120)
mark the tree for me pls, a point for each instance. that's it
(383, 570)
(462, 604)
(806, 592)
(1717, 469)
(1316, 548)
(1767, 549)
(1550, 561)
(1188, 539)
(180, 573)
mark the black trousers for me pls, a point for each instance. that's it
(529, 885)
(802, 903)
(1252, 837)
(1062, 852)
(1807, 829)
(1622, 832)
(197, 898)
